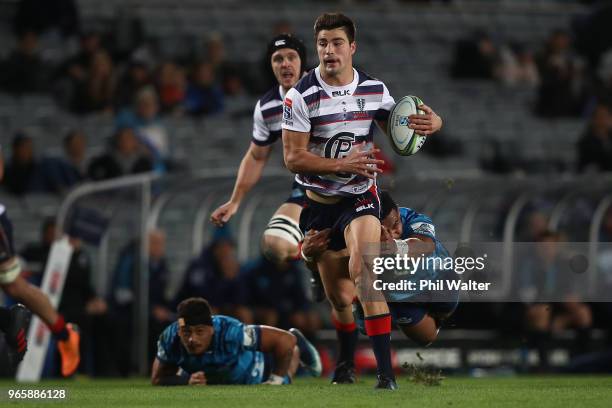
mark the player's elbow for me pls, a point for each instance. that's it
(292, 161)
(288, 341)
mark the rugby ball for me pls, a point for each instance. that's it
(404, 140)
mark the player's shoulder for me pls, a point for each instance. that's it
(307, 82)
(367, 79)
(409, 215)
(272, 95)
(225, 323)
(170, 335)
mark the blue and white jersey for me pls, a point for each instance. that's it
(232, 358)
(337, 118)
(267, 117)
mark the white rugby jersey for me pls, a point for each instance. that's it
(267, 117)
(337, 118)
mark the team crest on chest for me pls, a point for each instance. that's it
(361, 104)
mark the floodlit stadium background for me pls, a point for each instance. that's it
(524, 148)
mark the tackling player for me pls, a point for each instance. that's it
(201, 348)
(328, 125)
(418, 315)
(33, 298)
(287, 56)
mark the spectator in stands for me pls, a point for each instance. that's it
(97, 91)
(562, 88)
(145, 120)
(79, 303)
(171, 85)
(43, 15)
(204, 94)
(545, 276)
(595, 145)
(124, 157)
(277, 295)
(123, 296)
(24, 71)
(133, 81)
(475, 57)
(23, 172)
(62, 173)
(517, 67)
(214, 275)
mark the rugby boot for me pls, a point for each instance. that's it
(385, 383)
(69, 350)
(344, 373)
(16, 332)
(309, 356)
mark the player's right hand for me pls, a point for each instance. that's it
(223, 213)
(198, 378)
(361, 161)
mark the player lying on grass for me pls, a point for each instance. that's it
(418, 315)
(287, 57)
(201, 348)
(14, 323)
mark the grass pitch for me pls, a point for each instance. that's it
(523, 392)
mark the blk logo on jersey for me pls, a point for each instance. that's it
(341, 93)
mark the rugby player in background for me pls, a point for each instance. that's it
(287, 56)
(328, 125)
(33, 298)
(201, 348)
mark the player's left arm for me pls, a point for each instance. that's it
(165, 374)
(415, 245)
(280, 344)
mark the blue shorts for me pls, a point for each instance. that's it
(338, 216)
(269, 367)
(298, 195)
(7, 249)
(408, 314)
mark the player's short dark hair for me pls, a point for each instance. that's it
(331, 21)
(195, 311)
(387, 204)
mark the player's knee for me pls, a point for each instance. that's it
(341, 300)
(276, 249)
(281, 238)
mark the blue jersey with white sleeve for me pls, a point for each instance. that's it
(232, 358)
(414, 223)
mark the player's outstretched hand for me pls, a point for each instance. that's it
(315, 242)
(198, 378)
(223, 213)
(361, 161)
(427, 123)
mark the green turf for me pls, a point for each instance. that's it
(522, 392)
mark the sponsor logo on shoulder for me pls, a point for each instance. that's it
(288, 109)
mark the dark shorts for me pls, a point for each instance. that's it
(298, 195)
(7, 250)
(338, 216)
